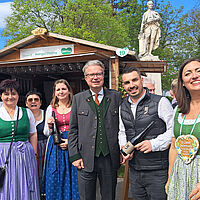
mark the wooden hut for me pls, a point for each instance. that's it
(43, 57)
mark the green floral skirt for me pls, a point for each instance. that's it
(183, 178)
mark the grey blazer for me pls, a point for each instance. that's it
(83, 127)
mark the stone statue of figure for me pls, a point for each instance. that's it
(150, 32)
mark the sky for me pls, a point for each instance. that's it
(6, 11)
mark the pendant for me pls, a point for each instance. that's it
(187, 147)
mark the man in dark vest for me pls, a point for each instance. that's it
(149, 163)
(93, 135)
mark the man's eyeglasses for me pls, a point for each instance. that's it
(98, 75)
(33, 99)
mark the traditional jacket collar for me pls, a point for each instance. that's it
(100, 93)
(90, 101)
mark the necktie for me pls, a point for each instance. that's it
(96, 99)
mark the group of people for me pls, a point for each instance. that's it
(36, 166)
(94, 125)
(158, 172)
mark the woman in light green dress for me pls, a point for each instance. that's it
(184, 177)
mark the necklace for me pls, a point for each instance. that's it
(192, 126)
(187, 145)
(63, 110)
(11, 112)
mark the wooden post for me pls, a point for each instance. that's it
(114, 73)
(114, 83)
(125, 187)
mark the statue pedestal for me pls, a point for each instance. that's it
(149, 58)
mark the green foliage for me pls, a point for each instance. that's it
(188, 43)
(28, 15)
(132, 11)
(121, 88)
(93, 20)
(120, 172)
(90, 20)
(169, 76)
(169, 34)
(111, 22)
(182, 42)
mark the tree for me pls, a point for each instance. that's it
(91, 20)
(169, 34)
(132, 12)
(188, 43)
(27, 15)
(111, 22)
(183, 43)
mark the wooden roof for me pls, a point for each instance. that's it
(35, 38)
(84, 51)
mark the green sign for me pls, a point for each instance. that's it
(66, 51)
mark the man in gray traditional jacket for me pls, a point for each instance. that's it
(93, 135)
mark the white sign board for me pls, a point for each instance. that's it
(122, 52)
(41, 52)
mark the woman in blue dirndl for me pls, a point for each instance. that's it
(60, 179)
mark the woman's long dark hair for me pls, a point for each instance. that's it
(183, 96)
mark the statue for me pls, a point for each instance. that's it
(150, 32)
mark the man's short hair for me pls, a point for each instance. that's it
(148, 80)
(127, 70)
(174, 85)
(93, 62)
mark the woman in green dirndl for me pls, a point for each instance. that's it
(184, 155)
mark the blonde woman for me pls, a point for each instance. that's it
(60, 180)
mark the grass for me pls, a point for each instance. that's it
(120, 173)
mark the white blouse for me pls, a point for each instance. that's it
(48, 115)
(6, 117)
(38, 122)
(180, 120)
